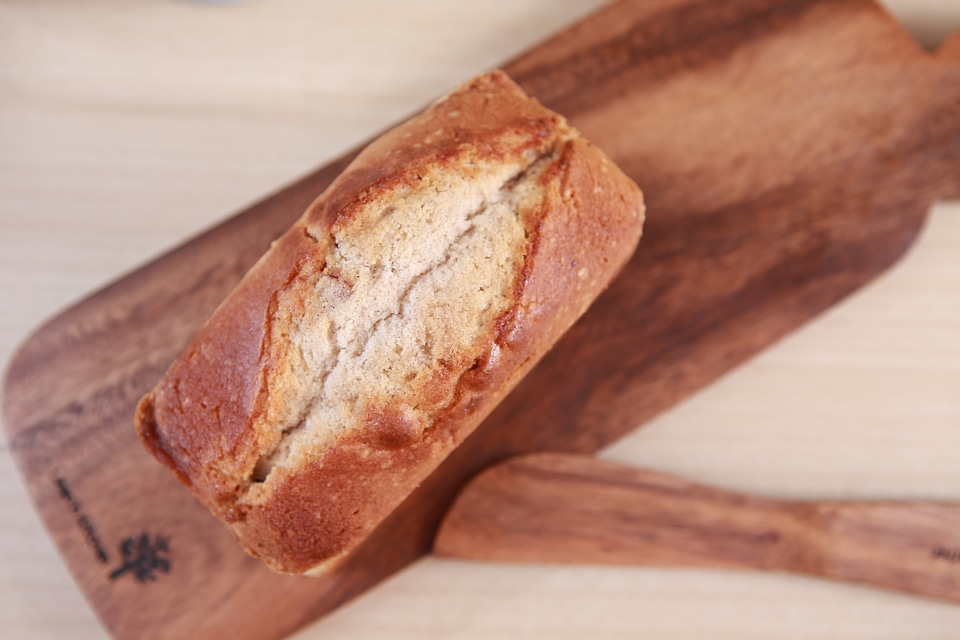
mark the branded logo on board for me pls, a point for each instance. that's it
(142, 556)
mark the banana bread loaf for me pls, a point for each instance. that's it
(382, 328)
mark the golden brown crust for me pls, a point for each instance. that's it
(206, 419)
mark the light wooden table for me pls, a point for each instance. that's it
(126, 127)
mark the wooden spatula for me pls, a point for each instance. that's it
(564, 508)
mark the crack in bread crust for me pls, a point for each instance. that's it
(493, 228)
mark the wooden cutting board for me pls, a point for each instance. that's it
(789, 152)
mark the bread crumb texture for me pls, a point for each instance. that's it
(411, 288)
(382, 328)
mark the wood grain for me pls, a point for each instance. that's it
(562, 508)
(777, 184)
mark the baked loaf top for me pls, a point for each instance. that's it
(382, 328)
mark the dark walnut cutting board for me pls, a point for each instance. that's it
(789, 152)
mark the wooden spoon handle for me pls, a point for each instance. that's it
(578, 509)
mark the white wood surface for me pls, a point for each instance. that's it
(126, 127)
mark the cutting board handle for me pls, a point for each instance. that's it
(949, 51)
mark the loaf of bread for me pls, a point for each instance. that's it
(382, 328)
